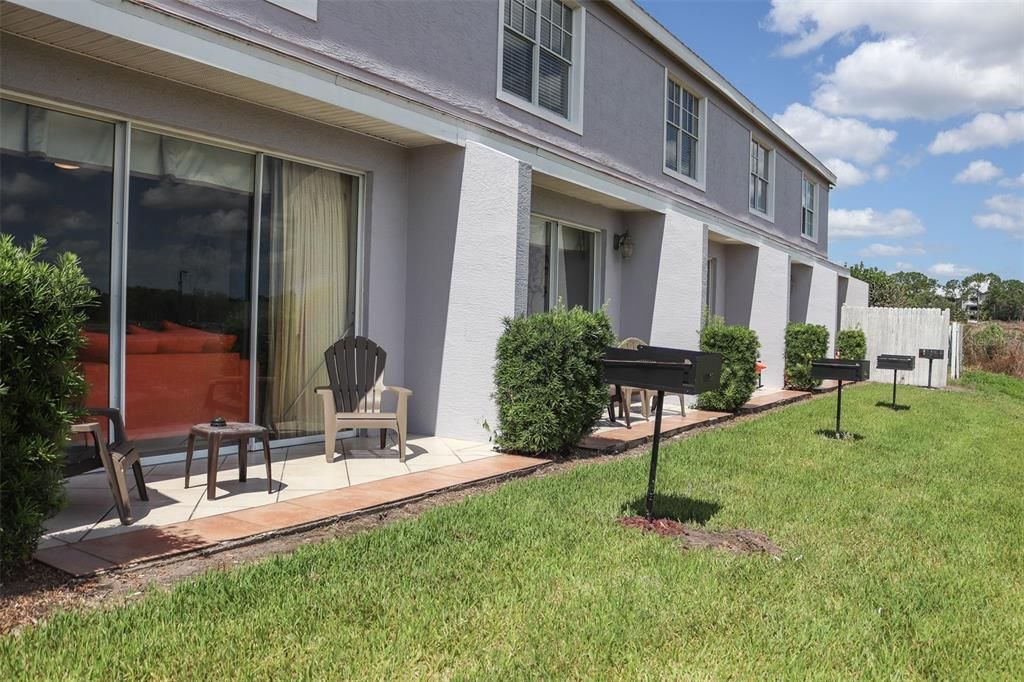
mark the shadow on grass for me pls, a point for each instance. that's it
(896, 408)
(675, 507)
(843, 435)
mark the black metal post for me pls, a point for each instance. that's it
(930, 372)
(894, 389)
(654, 456)
(839, 409)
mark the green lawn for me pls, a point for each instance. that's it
(903, 557)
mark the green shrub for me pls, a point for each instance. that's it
(738, 346)
(549, 380)
(852, 344)
(984, 343)
(40, 388)
(804, 343)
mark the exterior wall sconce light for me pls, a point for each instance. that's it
(624, 243)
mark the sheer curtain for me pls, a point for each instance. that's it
(310, 305)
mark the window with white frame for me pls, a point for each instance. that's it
(564, 265)
(538, 53)
(683, 143)
(760, 177)
(808, 226)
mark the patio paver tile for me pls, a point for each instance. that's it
(213, 529)
(343, 501)
(71, 560)
(277, 516)
(147, 543)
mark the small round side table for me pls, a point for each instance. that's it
(215, 435)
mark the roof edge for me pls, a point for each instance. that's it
(661, 35)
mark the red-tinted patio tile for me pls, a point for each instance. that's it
(71, 560)
(277, 516)
(210, 530)
(148, 543)
(622, 438)
(766, 400)
(343, 501)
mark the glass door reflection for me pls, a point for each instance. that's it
(188, 287)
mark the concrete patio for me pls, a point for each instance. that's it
(297, 471)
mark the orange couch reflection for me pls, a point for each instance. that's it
(174, 378)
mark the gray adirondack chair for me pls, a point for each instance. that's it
(353, 400)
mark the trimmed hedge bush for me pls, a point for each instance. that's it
(804, 343)
(41, 387)
(549, 380)
(738, 346)
(852, 344)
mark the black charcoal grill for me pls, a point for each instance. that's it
(663, 370)
(840, 370)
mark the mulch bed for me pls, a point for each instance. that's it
(741, 541)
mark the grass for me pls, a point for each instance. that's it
(902, 558)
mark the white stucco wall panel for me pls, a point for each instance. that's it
(769, 311)
(821, 304)
(857, 293)
(679, 296)
(482, 289)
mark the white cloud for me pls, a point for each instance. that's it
(881, 172)
(847, 175)
(950, 270)
(1006, 214)
(1012, 182)
(836, 137)
(22, 186)
(903, 266)
(12, 213)
(877, 250)
(984, 130)
(867, 222)
(924, 60)
(978, 171)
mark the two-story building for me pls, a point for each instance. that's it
(247, 181)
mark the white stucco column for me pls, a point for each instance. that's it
(769, 311)
(679, 295)
(857, 293)
(821, 304)
(487, 263)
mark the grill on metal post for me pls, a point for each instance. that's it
(661, 369)
(840, 370)
(931, 354)
(897, 363)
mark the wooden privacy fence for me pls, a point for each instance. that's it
(903, 331)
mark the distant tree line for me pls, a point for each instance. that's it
(999, 299)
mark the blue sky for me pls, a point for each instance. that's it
(918, 108)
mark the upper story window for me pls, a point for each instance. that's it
(761, 190)
(808, 224)
(684, 133)
(540, 54)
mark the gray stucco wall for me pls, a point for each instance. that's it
(409, 47)
(30, 68)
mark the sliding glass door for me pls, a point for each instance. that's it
(58, 183)
(223, 249)
(188, 287)
(564, 266)
(307, 289)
